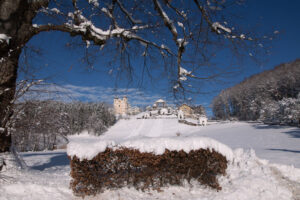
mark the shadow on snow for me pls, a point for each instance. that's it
(269, 126)
(57, 159)
(294, 132)
(285, 150)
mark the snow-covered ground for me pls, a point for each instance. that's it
(249, 174)
(146, 135)
(278, 144)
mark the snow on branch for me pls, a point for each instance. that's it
(80, 25)
(94, 2)
(217, 27)
(183, 72)
(169, 23)
(178, 12)
(23, 87)
(4, 37)
(123, 25)
(48, 11)
(107, 12)
(180, 42)
(55, 10)
(181, 25)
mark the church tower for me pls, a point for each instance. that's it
(121, 105)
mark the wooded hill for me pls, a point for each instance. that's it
(271, 96)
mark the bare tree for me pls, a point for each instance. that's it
(160, 29)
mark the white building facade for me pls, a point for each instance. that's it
(121, 106)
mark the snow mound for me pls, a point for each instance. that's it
(187, 144)
(251, 178)
(87, 147)
(151, 136)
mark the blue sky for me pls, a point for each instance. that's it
(62, 66)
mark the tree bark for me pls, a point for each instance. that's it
(8, 76)
(16, 25)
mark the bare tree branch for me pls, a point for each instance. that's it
(128, 14)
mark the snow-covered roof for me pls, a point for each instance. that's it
(160, 101)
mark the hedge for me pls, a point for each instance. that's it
(126, 167)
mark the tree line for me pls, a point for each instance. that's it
(40, 125)
(271, 96)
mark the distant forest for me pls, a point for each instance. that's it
(41, 125)
(272, 96)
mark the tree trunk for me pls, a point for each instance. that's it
(16, 26)
(8, 76)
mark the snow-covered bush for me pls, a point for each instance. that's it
(128, 167)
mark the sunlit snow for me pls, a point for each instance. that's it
(262, 164)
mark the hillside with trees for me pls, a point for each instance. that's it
(41, 125)
(272, 96)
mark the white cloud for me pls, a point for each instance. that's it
(90, 94)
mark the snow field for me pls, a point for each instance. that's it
(145, 135)
(248, 177)
(48, 178)
(278, 144)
